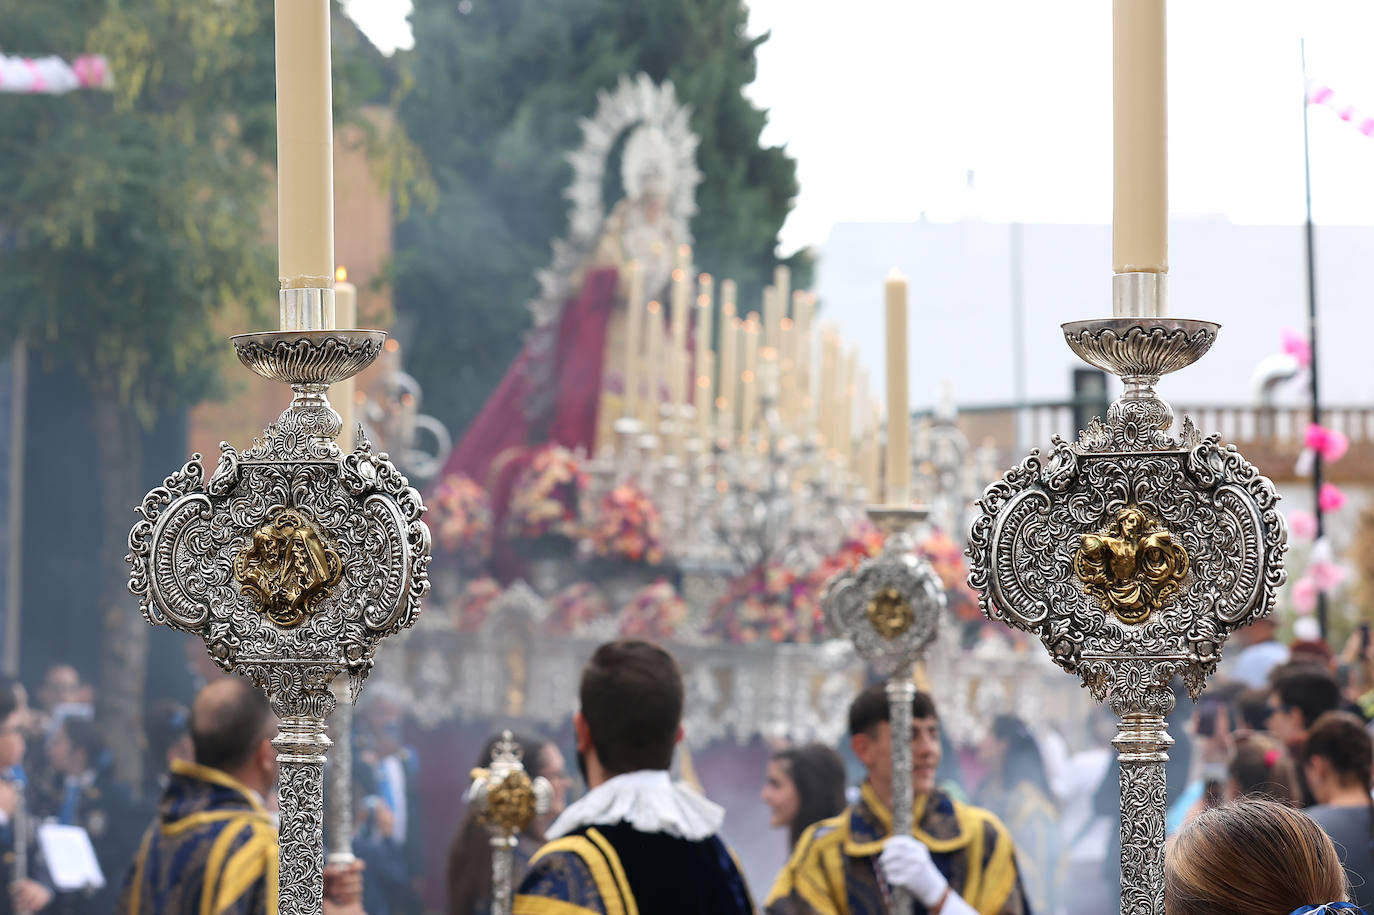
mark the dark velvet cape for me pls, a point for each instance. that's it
(617, 870)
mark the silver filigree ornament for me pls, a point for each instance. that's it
(1133, 554)
(292, 562)
(890, 608)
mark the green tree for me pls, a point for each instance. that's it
(132, 217)
(499, 88)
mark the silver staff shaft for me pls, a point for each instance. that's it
(502, 874)
(900, 693)
(20, 822)
(341, 787)
(1142, 745)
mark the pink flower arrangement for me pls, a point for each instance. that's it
(473, 606)
(656, 613)
(546, 502)
(771, 603)
(460, 517)
(574, 607)
(628, 527)
(947, 559)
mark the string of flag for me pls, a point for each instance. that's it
(51, 75)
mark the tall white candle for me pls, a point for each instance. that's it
(898, 411)
(726, 400)
(782, 293)
(653, 364)
(705, 388)
(749, 382)
(634, 336)
(1140, 223)
(305, 145)
(705, 312)
(680, 305)
(341, 395)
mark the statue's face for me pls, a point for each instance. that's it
(654, 192)
(1130, 524)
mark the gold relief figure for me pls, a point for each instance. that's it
(287, 569)
(1133, 568)
(890, 613)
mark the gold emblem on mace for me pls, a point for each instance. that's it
(1133, 567)
(287, 569)
(890, 613)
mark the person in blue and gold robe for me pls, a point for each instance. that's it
(212, 849)
(637, 842)
(958, 860)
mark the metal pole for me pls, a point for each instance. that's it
(341, 787)
(1318, 476)
(1142, 745)
(502, 874)
(900, 693)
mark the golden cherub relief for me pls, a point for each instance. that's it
(287, 568)
(890, 613)
(1134, 567)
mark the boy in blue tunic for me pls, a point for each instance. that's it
(636, 843)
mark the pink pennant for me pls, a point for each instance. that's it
(1331, 444)
(1296, 345)
(1302, 525)
(1330, 498)
(1305, 596)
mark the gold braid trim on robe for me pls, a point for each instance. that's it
(579, 876)
(213, 850)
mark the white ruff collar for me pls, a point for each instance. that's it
(648, 801)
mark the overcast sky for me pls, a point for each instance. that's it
(889, 104)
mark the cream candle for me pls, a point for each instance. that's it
(634, 336)
(1140, 228)
(653, 365)
(305, 145)
(726, 398)
(679, 306)
(341, 395)
(898, 482)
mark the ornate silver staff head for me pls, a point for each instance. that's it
(292, 561)
(507, 800)
(1133, 554)
(890, 607)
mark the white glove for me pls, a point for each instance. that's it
(906, 863)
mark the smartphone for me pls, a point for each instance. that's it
(1207, 711)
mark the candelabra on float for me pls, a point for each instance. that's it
(506, 800)
(292, 561)
(890, 608)
(1133, 554)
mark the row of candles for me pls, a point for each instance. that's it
(776, 356)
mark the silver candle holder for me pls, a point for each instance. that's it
(890, 608)
(506, 800)
(292, 561)
(1133, 554)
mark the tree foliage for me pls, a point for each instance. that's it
(128, 219)
(498, 93)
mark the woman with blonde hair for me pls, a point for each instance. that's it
(1254, 857)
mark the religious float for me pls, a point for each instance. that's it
(664, 462)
